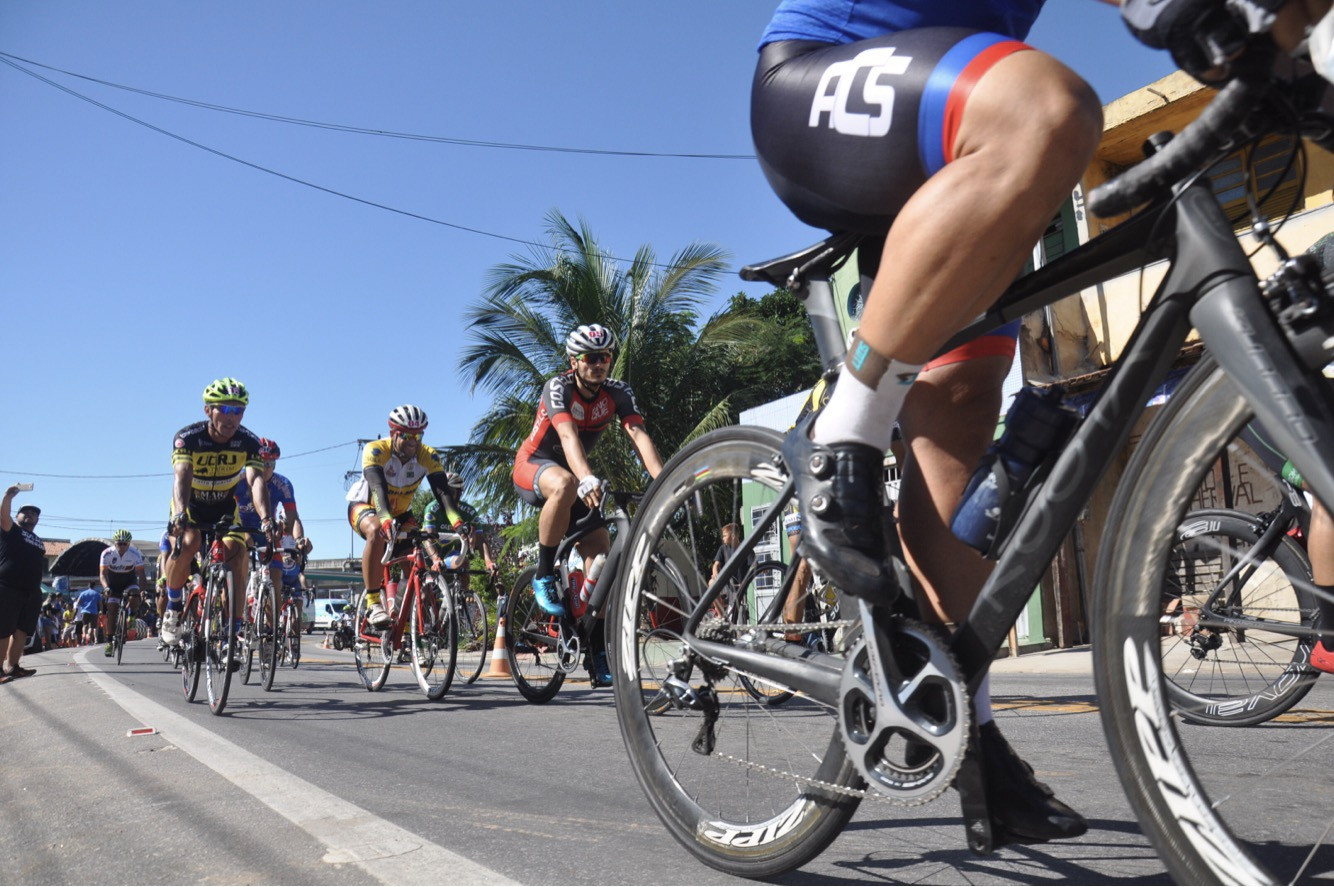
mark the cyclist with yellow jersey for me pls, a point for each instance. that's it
(211, 459)
(392, 469)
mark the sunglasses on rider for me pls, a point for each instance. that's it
(596, 357)
(228, 409)
(409, 435)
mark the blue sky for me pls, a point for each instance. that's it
(135, 267)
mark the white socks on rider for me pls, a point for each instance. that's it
(869, 395)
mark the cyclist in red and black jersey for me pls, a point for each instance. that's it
(551, 469)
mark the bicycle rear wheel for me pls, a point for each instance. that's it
(1222, 676)
(435, 639)
(530, 643)
(266, 635)
(220, 641)
(1221, 806)
(368, 650)
(474, 635)
(776, 788)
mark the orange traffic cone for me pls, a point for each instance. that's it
(500, 662)
(326, 645)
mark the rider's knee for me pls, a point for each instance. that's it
(559, 487)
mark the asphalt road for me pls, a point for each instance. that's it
(321, 782)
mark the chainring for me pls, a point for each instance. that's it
(908, 741)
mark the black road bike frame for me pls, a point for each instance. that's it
(1210, 287)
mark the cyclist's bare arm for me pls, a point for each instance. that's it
(180, 489)
(577, 459)
(259, 493)
(648, 453)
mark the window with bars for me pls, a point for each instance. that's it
(1257, 169)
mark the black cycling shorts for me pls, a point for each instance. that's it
(846, 133)
(19, 609)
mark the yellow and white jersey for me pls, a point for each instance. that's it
(402, 477)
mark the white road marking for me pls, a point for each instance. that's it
(391, 854)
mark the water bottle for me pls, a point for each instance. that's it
(577, 598)
(1035, 426)
(591, 580)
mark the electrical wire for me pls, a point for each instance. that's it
(6, 59)
(19, 473)
(386, 133)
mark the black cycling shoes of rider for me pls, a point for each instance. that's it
(843, 525)
(1023, 810)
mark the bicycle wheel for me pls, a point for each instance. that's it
(368, 650)
(248, 637)
(121, 621)
(220, 641)
(291, 634)
(434, 633)
(530, 643)
(765, 576)
(474, 635)
(192, 647)
(266, 635)
(1216, 674)
(1220, 806)
(776, 788)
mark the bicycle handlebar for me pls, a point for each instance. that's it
(1216, 129)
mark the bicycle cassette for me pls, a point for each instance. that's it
(903, 711)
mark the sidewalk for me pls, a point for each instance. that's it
(1072, 661)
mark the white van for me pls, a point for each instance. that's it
(323, 612)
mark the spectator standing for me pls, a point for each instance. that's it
(731, 539)
(22, 561)
(86, 608)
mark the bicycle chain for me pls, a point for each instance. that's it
(864, 794)
(804, 627)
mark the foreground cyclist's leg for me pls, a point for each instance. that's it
(366, 522)
(1320, 547)
(178, 573)
(592, 545)
(556, 490)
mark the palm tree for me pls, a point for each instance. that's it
(676, 365)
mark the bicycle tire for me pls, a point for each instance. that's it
(530, 643)
(291, 632)
(372, 663)
(764, 692)
(220, 640)
(266, 635)
(248, 641)
(121, 622)
(474, 634)
(777, 787)
(433, 632)
(1232, 818)
(192, 647)
(1235, 678)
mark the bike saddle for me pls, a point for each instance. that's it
(818, 259)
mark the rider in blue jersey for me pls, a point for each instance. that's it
(931, 123)
(281, 492)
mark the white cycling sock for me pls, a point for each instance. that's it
(858, 413)
(982, 701)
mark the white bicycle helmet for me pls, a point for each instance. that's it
(407, 418)
(588, 338)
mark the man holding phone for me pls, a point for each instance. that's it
(22, 561)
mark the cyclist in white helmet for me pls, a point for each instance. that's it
(393, 468)
(551, 469)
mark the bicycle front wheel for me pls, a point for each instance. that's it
(435, 639)
(368, 650)
(1225, 676)
(220, 641)
(290, 648)
(530, 643)
(122, 620)
(1220, 806)
(776, 787)
(192, 646)
(266, 635)
(474, 635)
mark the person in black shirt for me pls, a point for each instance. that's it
(22, 560)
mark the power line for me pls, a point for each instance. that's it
(19, 473)
(386, 133)
(4, 57)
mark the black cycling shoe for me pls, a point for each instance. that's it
(839, 489)
(1023, 810)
